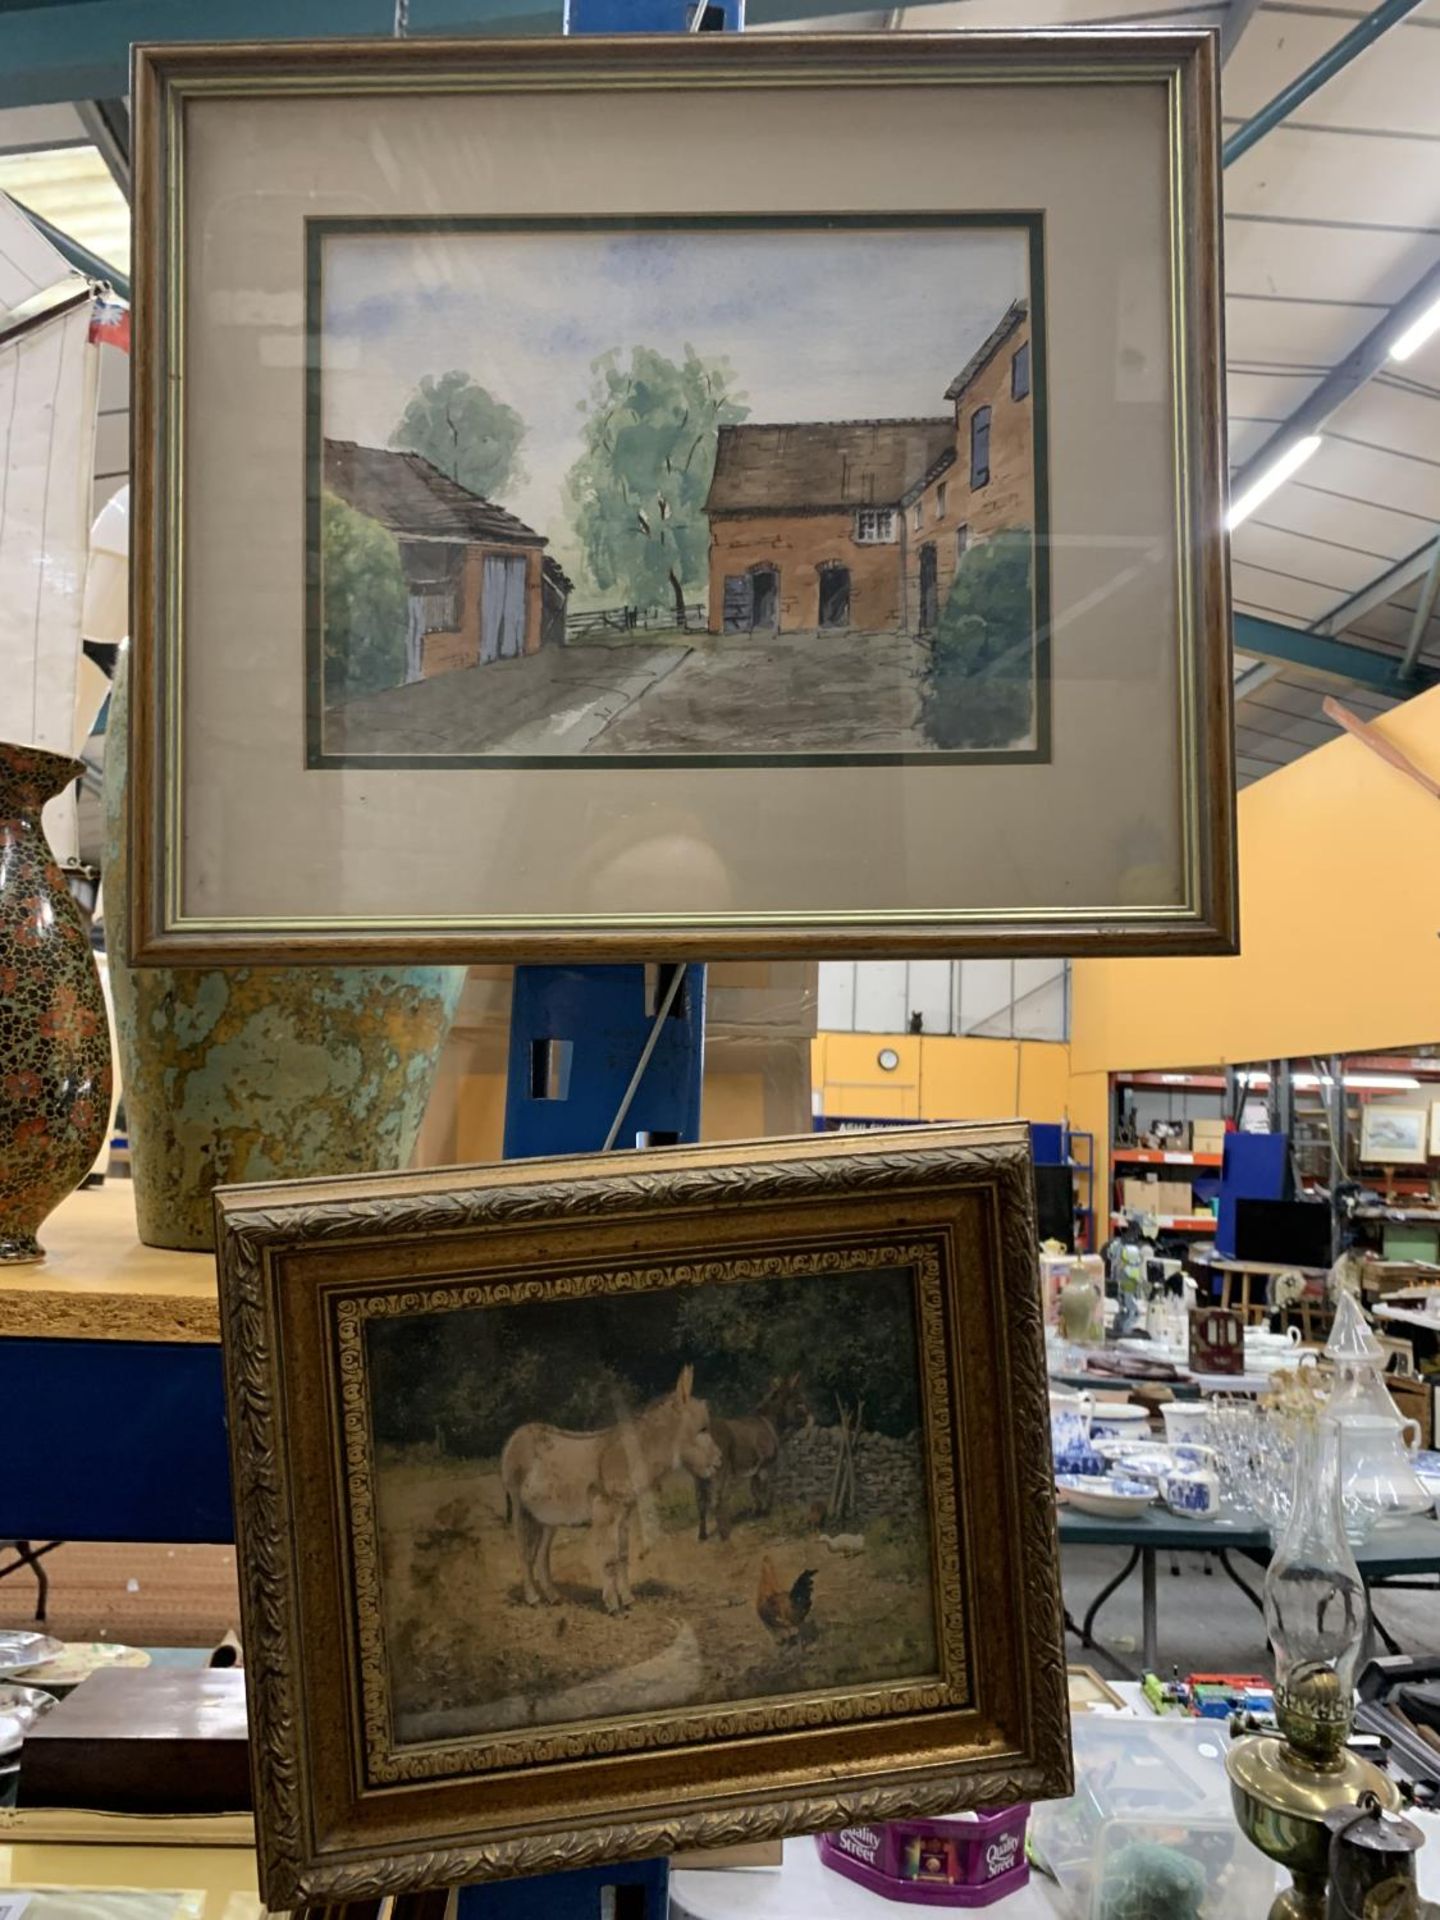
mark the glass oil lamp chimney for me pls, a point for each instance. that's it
(1316, 1614)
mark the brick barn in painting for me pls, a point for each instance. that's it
(481, 586)
(861, 523)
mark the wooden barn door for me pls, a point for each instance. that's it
(739, 603)
(502, 607)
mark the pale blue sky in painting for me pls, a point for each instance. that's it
(816, 325)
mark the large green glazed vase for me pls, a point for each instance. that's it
(259, 1073)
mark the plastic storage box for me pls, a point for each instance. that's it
(965, 1860)
(1150, 1825)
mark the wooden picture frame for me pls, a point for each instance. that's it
(1394, 1136)
(979, 577)
(781, 1675)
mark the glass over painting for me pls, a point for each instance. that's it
(723, 537)
(616, 1505)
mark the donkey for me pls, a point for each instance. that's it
(557, 1479)
(749, 1449)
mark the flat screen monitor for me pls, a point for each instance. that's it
(1292, 1233)
(1055, 1204)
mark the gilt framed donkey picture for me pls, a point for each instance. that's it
(590, 1508)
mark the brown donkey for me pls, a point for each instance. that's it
(749, 1449)
(553, 1478)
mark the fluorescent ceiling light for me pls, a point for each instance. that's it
(1308, 1082)
(1290, 461)
(74, 190)
(1417, 333)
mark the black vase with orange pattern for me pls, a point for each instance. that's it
(54, 1037)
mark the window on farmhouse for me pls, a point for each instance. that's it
(940, 493)
(874, 524)
(980, 447)
(962, 541)
(917, 515)
(1020, 372)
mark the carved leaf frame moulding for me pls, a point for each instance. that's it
(372, 1237)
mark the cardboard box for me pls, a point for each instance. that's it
(1164, 1197)
(1138, 1196)
(1207, 1136)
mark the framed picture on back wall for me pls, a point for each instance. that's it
(674, 532)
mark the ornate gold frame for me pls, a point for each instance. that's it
(168, 80)
(342, 1811)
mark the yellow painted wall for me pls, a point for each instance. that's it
(1340, 953)
(1339, 925)
(941, 1077)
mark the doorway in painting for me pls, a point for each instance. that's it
(502, 607)
(834, 596)
(765, 601)
(929, 588)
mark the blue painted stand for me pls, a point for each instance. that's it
(113, 1440)
(639, 1891)
(577, 1035)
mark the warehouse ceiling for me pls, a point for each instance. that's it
(1332, 218)
(1332, 223)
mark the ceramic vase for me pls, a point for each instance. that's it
(259, 1073)
(54, 1037)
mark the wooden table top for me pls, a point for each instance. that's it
(97, 1282)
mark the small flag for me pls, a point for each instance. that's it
(110, 322)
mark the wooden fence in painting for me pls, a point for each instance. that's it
(602, 620)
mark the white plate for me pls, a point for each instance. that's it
(1136, 1459)
(1113, 1500)
(1122, 1416)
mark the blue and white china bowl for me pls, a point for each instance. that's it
(1113, 1497)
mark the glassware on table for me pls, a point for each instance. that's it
(1315, 1604)
(1379, 1486)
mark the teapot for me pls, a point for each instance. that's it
(1379, 1486)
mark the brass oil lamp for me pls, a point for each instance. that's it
(1316, 1613)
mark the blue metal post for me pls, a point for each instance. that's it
(1363, 34)
(599, 1056)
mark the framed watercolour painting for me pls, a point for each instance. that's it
(1394, 1135)
(589, 1508)
(750, 496)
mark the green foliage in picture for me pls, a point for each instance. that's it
(365, 603)
(462, 1382)
(980, 683)
(461, 428)
(638, 490)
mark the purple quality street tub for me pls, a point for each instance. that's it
(955, 1862)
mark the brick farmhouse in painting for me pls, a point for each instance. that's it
(861, 523)
(480, 585)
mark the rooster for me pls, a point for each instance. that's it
(785, 1615)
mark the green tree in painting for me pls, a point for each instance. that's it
(638, 489)
(979, 688)
(365, 603)
(461, 428)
